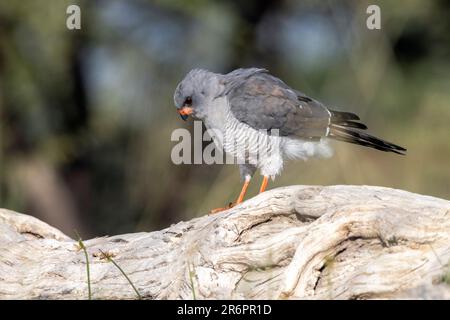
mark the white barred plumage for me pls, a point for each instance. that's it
(264, 150)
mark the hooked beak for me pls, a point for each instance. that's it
(185, 112)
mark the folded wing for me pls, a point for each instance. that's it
(263, 101)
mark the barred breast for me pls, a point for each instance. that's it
(262, 148)
(249, 146)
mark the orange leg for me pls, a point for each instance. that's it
(264, 184)
(243, 191)
(239, 199)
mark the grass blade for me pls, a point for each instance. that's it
(191, 278)
(110, 259)
(83, 247)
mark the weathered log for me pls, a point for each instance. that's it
(298, 242)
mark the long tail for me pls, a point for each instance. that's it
(344, 127)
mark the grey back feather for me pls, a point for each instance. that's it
(263, 101)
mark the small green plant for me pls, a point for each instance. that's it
(108, 257)
(83, 247)
(445, 278)
(392, 241)
(191, 278)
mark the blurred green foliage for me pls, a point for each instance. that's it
(86, 115)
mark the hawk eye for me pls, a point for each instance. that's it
(188, 101)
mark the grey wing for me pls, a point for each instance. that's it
(263, 101)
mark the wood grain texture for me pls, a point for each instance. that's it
(298, 242)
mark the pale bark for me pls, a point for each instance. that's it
(298, 242)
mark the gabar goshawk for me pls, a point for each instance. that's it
(246, 106)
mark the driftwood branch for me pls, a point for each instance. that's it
(299, 242)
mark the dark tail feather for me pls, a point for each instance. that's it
(346, 119)
(352, 124)
(339, 116)
(348, 134)
(342, 128)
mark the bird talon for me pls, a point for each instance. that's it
(217, 210)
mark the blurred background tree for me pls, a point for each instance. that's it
(86, 115)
